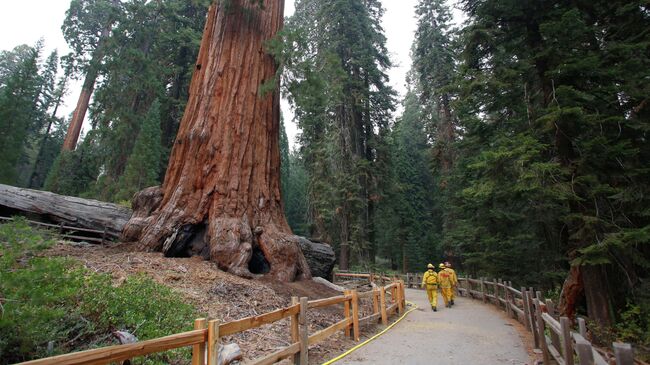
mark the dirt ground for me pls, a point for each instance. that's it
(219, 295)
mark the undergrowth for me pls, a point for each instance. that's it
(57, 300)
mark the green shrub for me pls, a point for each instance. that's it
(634, 328)
(56, 299)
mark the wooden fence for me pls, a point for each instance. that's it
(204, 339)
(552, 334)
(70, 232)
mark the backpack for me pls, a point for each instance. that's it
(432, 279)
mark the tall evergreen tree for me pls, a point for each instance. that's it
(19, 109)
(143, 166)
(434, 68)
(343, 110)
(408, 222)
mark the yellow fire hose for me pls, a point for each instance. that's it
(355, 348)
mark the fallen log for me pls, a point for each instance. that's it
(320, 257)
(49, 207)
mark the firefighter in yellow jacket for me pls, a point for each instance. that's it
(445, 281)
(430, 283)
(454, 282)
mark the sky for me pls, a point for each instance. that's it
(27, 21)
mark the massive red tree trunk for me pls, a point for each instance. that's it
(221, 194)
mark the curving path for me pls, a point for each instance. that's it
(469, 333)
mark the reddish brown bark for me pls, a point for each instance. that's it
(222, 184)
(572, 293)
(79, 114)
(74, 130)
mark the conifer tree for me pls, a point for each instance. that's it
(143, 166)
(18, 111)
(434, 69)
(343, 111)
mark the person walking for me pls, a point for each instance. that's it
(430, 283)
(445, 282)
(454, 281)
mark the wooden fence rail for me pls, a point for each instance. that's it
(552, 334)
(75, 233)
(205, 337)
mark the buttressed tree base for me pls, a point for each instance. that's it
(221, 195)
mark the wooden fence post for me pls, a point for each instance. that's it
(585, 352)
(624, 353)
(382, 297)
(295, 329)
(507, 294)
(104, 235)
(555, 338)
(213, 342)
(567, 341)
(524, 300)
(304, 331)
(355, 314)
(400, 302)
(540, 332)
(198, 350)
(483, 290)
(531, 310)
(582, 327)
(375, 301)
(496, 292)
(346, 313)
(498, 287)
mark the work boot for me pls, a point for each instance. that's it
(434, 308)
(452, 302)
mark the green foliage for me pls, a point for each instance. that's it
(408, 229)
(296, 200)
(635, 326)
(74, 307)
(143, 167)
(335, 62)
(30, 132)
(143, 51)
(19, 96)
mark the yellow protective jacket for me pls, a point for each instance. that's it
(445, 279)
(454, 278)
(430, 278)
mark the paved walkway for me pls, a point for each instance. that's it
(469, 333)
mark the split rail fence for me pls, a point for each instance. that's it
(553, 335)
(70, 232)
(204, 339)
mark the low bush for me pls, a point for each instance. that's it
(56, 300)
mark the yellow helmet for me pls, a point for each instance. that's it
(430, 266)
(442, 266)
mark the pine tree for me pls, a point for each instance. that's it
(434, 68)
(19, 111)
(408, 226)
(343, 111)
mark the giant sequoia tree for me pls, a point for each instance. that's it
(221, 195)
